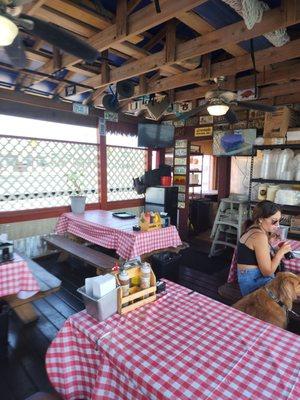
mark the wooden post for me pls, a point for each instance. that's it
(170, 48)
(121, 18)
(223, 176)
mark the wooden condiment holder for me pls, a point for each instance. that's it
(137, 299)
(149, 226)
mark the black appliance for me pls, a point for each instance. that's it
(163, 199)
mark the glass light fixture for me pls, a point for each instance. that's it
(9, 31)
(217, 107)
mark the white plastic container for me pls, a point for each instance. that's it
(101, 308)
(283, 162)
(265, 164)
(271, 192)
(103, 284)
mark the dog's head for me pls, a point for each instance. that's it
(288, 286)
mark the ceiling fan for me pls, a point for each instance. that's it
(11, 19)
(218, 102)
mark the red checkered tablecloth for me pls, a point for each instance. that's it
(292, 265)
(102, 228)
(16, 278)
(182, 346)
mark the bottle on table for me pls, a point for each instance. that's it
(124, 282)
(145, 275)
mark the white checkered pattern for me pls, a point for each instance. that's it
(292, 265)
(182, 346)
(16, 277)
(102, 228)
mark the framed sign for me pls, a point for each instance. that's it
(179, 179)
(181, 204)
(203, 131)
(111, 116)
(181, 144)
(180, 170)
(180, 161)
(206, 119)
(180, 152)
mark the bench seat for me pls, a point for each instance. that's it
(230, 292)
(48, 285)
(102, 262)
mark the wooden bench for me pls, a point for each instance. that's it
(102, 262)
(48, 285)
(230, 292)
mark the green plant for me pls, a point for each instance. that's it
(75, 179)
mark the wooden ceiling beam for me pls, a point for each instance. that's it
(80, 13)
(31, 10)
(138, 22)
(198, 24)
(272, 19)
(263, 78)
(230, 67)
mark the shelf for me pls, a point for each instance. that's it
(260, 180)
(277, 146)
(194, 185)
(195, 154)
(284, 207)
(194, 171)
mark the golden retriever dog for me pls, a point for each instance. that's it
(285, 287)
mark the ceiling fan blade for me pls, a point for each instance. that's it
(16, 53)
(186, 115)
(63, 39)
(231, 117)
(256, 106)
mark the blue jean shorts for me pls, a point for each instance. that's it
(252, 279)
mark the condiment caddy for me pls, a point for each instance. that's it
(150, 221)
(137, 287)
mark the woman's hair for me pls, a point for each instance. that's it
(263, 209)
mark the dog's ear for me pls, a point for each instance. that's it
(287, 289)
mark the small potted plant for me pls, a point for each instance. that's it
(78, 199)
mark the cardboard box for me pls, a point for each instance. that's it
(278, 122)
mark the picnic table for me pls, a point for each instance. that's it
(182, 346)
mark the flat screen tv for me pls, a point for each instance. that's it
(234, 143)
(155, 136)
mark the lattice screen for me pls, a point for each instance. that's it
(124, 164)
(36, 173)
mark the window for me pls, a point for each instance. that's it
(35, 167)
(124, 164)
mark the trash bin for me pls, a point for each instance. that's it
(4, 318)
(200, 212)
(166, 265)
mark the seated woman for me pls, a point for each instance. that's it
(255, 267)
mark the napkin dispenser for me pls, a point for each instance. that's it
(6, 251)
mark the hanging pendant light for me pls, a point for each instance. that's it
(8, 31)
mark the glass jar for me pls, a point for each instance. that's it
(145, 275)
(124, 282)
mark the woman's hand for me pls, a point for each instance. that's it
(284, 248)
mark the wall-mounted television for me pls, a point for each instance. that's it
(155, 136)
(233, 143)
